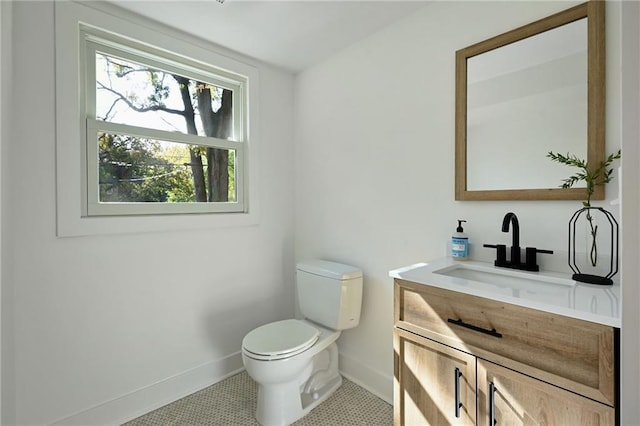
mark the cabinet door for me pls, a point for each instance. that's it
(433, 384)
(506, 397)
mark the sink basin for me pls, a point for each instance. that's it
(501, 276)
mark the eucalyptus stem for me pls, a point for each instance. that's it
(593, 254)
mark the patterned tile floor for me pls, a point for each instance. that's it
(232, 402)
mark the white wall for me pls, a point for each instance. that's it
(5, 49)
(107, 327)
(374, 131)
(374, 187)
(630, 334)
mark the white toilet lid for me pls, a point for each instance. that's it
(280, 339)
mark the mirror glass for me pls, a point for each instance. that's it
(526, 93)
(538, 82)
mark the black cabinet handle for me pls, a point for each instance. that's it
(492, 405)
(456, 382)
(461, 323)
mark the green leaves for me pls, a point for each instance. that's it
(592, 177)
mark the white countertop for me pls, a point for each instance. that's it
(595, 303)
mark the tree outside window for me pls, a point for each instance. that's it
(165, 134)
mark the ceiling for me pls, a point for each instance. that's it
(290, 34)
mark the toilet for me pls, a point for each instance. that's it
(295, 361)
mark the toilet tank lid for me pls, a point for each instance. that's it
(325, 268)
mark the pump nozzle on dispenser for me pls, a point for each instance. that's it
(460, 243)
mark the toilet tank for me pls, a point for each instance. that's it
(329, 293)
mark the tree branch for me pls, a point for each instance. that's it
(106, 116)
(129, 69)
(141, 109)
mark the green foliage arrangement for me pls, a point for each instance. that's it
(596, 177)
(600, 175)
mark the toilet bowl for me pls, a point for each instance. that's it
(295, 361)
(295, 370)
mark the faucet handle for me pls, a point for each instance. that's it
(531, 263)
(501, 253)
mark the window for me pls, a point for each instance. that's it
(165, 134)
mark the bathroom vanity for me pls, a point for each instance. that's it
(476, 344)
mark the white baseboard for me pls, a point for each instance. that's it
(132, 405)
(379, 384)
(127, 407)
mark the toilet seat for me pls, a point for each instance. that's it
(280, 339)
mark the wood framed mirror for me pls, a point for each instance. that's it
(521, 94)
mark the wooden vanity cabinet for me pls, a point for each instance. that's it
(461, 359)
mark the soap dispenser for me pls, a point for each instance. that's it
(460, 243)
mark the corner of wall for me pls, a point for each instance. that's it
(379, 384)
(630, 336)
(7, 375)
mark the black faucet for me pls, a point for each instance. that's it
(511, 218)
(530, 263)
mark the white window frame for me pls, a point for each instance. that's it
(70, 146)
(97, 41)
